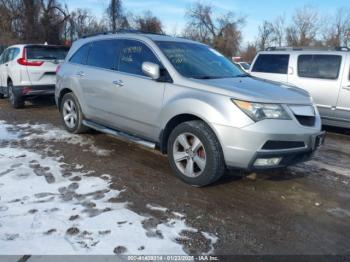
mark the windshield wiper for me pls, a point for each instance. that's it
(242, 75)
(205, 77)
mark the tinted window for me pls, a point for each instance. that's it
(47, 52)
(319, 66)
(5, 56)
(198, 61)
(275, 64)
(103, 54)
(132, 55)
(13, 53)
(81, 55)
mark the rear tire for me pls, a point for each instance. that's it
(16, 101)
(2, 96)
(195, 154)
(71, 114)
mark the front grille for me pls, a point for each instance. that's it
(280, 145)
(306, 120)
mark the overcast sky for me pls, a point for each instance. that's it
(172, 12)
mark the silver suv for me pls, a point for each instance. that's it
(187, 100)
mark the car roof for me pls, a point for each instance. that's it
(27, 45)
(140, 36)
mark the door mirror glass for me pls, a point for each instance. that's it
(150, 69)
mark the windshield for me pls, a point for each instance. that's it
(199, 61)
(47, 52)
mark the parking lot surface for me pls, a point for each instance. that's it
(94, 194)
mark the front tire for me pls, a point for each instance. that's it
(16, 101)
(195, 153)
(71, 114)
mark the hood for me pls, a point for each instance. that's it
(254, 90)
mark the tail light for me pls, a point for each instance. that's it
(23, 60)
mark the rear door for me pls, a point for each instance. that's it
(342, 112)
(96, 81)
(320, 75)
(4, 70)
(271, 66)
(42, 62)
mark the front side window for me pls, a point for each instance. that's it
(198, 61)
(319, 66)
(103, 54)
(81, 55)
(46, 52)
(271, 63)
(132, 55)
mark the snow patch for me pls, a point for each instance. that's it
(48, 132)
(44, 211)
(156, 208)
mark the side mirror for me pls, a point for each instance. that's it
(152, 70)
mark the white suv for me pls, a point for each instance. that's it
(29, 71)
(324, 73)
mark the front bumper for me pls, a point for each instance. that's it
(284, 139)
(36, 90)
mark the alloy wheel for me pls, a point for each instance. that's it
(70, 114)
(189, 155)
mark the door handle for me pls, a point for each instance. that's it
(347, 87)
(118, 83)
(81, 74)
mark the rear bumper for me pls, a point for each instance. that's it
(38, 90)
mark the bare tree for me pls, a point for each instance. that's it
(223, 33)
(303, 31)
(266, 35)
(249, 52)
(149, 23)
(115, 16)
(279, 30)
(337, 32)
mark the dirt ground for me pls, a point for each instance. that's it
(300, 210)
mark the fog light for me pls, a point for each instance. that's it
(275, 161)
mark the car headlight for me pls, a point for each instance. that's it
(261, 111)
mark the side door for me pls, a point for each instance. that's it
(96, 80)
(3, 70)
(1, 81)
(320, 75)
(137, 99)
(272, 67)
(342, 112)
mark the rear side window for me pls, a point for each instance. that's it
(319, 66)
(81, 55)
(132, 55)
(275, 64)
(13, 53)
(103, 54)
(46, 52)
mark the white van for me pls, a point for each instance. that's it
(324, 73)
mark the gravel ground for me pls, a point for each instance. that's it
(301, 210)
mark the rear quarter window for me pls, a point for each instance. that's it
(271, 63)
(80, 56)
(319, 66)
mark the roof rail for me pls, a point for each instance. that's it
(121, 31)
(288, 48)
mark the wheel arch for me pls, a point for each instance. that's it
(61, 95)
